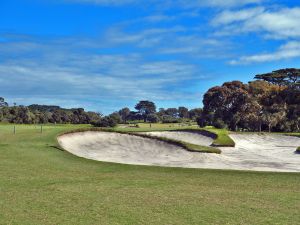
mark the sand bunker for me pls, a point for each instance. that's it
(186, 136)
(252, 152)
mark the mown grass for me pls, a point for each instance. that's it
(223, 139)
(40, 184)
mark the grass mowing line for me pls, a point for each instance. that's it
(187, 146)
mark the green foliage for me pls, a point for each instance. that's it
(107, 121)
(36, 114)
(220, 124)
(298, 150)
(145, 108)
(152, 118)
(169, 119)
(257, 106)
(2, 102)
(288, 77)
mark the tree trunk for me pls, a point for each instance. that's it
(269, 128)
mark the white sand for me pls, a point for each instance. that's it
(252, 152)
(186, 136)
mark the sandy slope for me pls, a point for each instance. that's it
(252, 152)
(190, 137)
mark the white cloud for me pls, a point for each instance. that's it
(279, 23)
(228, 16)
(287, 51)
(50, 70)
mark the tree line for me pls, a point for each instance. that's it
(40, 114)
(146, 111)
(270, 103)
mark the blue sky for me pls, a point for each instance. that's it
(107, 54)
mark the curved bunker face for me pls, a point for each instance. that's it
(123, 148)
(186, 136)
(252, 152)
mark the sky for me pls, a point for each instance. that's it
(104, 55)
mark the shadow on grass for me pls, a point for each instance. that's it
(56, 147)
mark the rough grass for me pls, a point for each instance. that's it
(40, 184)
(187, 146)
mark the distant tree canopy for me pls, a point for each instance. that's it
(145, 108)
(271, 103)
(34, 114)
(283, 77)
(2, 102)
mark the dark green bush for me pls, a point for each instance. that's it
(106, 122)
(220, 124)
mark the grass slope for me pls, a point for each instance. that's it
(223, 139)
(40, 184)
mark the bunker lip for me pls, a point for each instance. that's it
(253, 152)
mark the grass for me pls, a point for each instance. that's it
(40, 184)
(223, 139)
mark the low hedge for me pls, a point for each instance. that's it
(187, 146)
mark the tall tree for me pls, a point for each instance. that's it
(124, 113)
(183, 112)
(173, 112)
(286, 77)
(145, 108)
(2, 102)
(225, 101)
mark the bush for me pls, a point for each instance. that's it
(220, 124)
(106, 122)
(170, 119)
(152, 118)
(201, 122)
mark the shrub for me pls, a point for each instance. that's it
(105, 122)
(220, 124)
(152, 118)
(169, 119)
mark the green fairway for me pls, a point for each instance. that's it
(41, 184)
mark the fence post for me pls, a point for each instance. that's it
(41, 129)
(14, 129)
